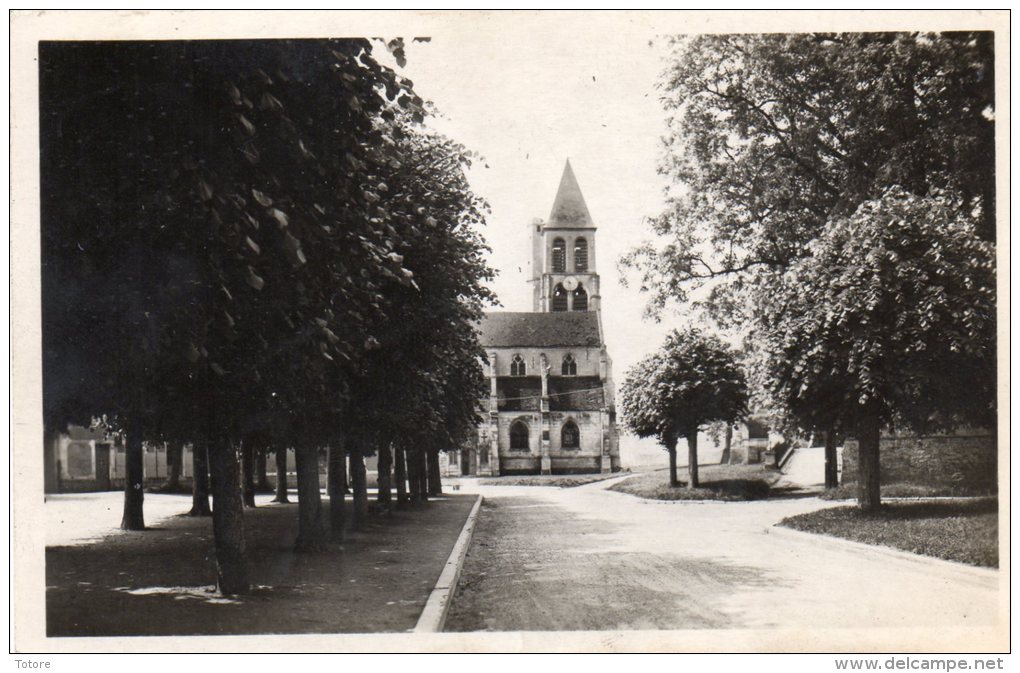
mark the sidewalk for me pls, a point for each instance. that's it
(159, 581)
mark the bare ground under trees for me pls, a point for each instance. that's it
(160, 581)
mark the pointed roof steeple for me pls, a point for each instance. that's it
(569, 209)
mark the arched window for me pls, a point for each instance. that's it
(559, 299)
(580, 255)
(570, 436)
(569, 365)
(519, 436)
(580, 299)
(559, 255)
(517, 366)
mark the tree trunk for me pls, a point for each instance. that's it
(831, 465)
(134, 518)
(413, 480)
(385, 468)
(311, 525)
(671, 450)
(281, 476)
(423, 474)
(174, 456)
(434, 479)
(400, 474)
(359, 483)
(869, 427)
(692, 459)
(228, 519)
(335, 488)
(248, 473)
(261, 477)
(200, 479)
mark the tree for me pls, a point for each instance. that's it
(891, 320)
(693, 380)
(776, 139)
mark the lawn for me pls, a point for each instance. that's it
(718, 482)
(900, 490)
(958, 530)
(556, 480)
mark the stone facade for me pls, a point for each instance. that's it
(966, 461)
(551, 405)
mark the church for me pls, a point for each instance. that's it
(551, 407)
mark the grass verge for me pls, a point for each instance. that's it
(718, 482)
(957, 530)
(557, 480)
(901, 490)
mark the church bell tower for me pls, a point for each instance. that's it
(563, 249)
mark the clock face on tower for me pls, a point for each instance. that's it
(570, 283)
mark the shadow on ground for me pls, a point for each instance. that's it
(159, 581)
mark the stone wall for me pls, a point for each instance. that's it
(966, 460)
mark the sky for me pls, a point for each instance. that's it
(527, 102)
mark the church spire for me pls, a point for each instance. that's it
(569, 209)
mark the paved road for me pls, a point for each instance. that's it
(590, 559)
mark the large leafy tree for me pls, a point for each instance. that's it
(692, 381)
(890, 320)
(774, 140)
(213, 239)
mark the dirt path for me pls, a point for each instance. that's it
(587, 558)
(158, 581)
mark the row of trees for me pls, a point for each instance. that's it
(833, 200)
(256, 245)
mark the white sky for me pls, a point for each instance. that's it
(529, 101)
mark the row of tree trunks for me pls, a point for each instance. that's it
(262, 484)
(134, 518)
(311, 524)
(281, 476)
(869, 427)
(200, 480)
(831, 471)
(400, 475)
(248, 473)
(174, 458)
(336, 484)
(359, 484)
(228, 519)
(434, 480)
(385, 470)
(692, 460)
(671, 450)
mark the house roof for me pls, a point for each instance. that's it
(569, 209)
(539, 330)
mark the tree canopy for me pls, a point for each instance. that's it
(834, 195)
(694, 379)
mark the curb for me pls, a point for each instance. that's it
(433, 617)
(975, 572)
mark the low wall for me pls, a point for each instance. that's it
(965, 461)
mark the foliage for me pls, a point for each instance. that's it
(895, 304)
(694, 379)
(773, 136)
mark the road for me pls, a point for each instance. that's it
(547, 559)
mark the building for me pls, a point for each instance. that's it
(551, 407)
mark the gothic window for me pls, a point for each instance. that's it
(580, 299)
(570, 437)
(517, 366)
(580, 255)
(559, 299)
(569, 365)
(519, 436)
(559, 255)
